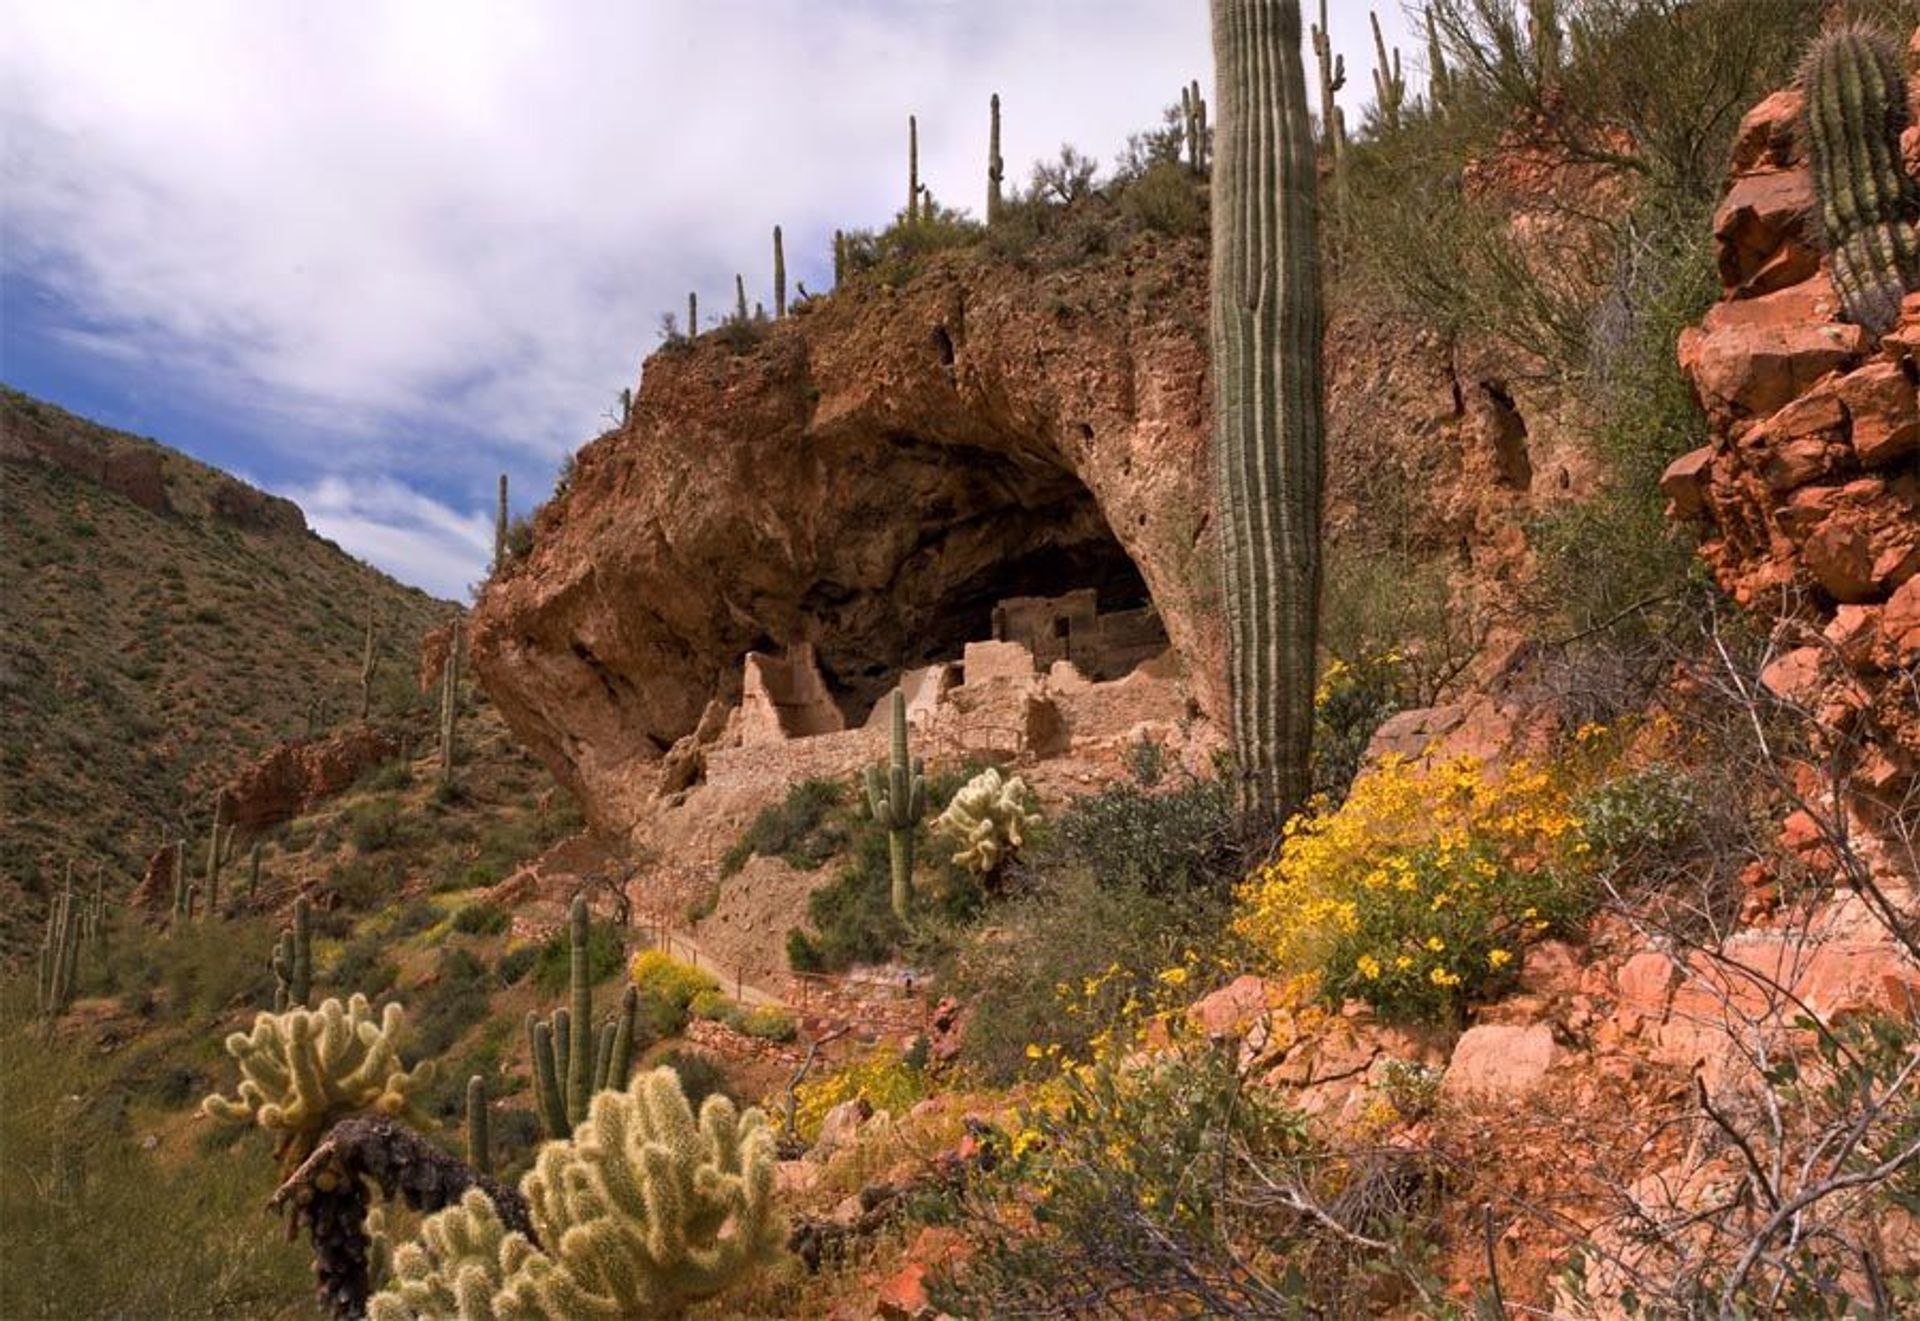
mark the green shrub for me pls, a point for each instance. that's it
(1166, 200)
(669, 990)
(802, 830)
(553, 968)
(388, 777)
(78, 1178)
(700, 1074)
(364, 967)
(516, 963)
(481, 919)
(1062, 960)
(1167, 842)
(1639, 820)
(441, 1011)
(768, 1023)
(375, 824)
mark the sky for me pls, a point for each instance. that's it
(368, 254)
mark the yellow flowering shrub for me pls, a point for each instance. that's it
(1417, 894)
(883, 1076)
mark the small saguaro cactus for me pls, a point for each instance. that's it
(449, 703)
(898, 800)
(479, 1128)
(369, 658)
(301, 1070)
(739, 298)
(1333, 77)
(913, 170)
(571, 1061)
(59, 953)
(1389, 86)
(645, 1212)
(292, 960)
(779, 275)
(213, 858)
(1439, 77)
(1201, 140)
(693, 314)
(839, 257)
(253, 871)
(996, 166)
(1868, 203)
(180, 879)
(500, 526)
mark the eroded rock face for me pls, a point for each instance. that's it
(871, 480)
(1809, 487)
(297, 775)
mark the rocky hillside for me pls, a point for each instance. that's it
(160, 624)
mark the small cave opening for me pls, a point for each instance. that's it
(1007, 546)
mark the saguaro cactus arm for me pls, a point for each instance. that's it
(1268, 394)
(1868, 203)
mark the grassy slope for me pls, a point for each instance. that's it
(144, 657)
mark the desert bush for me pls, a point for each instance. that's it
(457, 997)
(670, 991)
(1165, 200)
(1173, 1187)
(481, 919)
(375, 824)
(1419, 892)
(881, 1077)
(213, 967)
(700, 1074)
(1638, 819)
(77, 1178)
(1350, 703)
(802, 830)
(1066, 960)
(363, 966)
(1167, 842)
(516, 963)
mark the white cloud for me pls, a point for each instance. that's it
(401, 531)
(458, 221)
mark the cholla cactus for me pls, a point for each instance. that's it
(989, 819)
(303, 1070)
(642, 1213)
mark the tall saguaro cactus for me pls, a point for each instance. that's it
(292, 960)
(571, 1060)
(367, 658)
(479, 1129)
(996, 167)
(779, 275)
(1268, 394)
(693, 314)
(500, 526)
(913, 170)
(1333, 76)
(839, 257)
(1389, 85)
(899, 801)
(1856, 112)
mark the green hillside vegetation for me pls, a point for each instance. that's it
(145, 656)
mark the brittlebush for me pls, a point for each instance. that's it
(1419, 892)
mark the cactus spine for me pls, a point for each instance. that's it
(1856, 112)
(779, 275)
(1268, 395)
(571, 1062)
(996, 167)
(898, 801)
(913, 170)
(1389, 87)
(479, 1130)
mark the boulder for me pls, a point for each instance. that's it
(1500, 1063)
